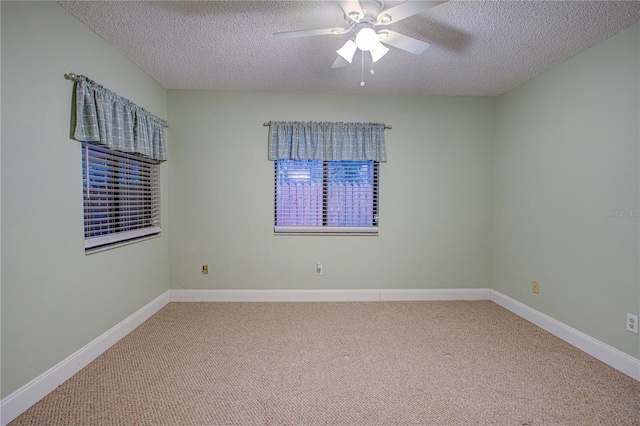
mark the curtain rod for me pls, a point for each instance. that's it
(268, 123)
(71, 76)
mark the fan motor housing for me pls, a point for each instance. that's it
(371, 10)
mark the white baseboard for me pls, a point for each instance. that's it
(597, 349)
(22, 399)
(275, 295)
(19, 401)
(434, 294)
(326, 295)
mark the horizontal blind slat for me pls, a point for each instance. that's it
(110, 239)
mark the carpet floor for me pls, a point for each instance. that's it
(365, 363)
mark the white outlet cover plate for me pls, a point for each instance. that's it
(632, 323)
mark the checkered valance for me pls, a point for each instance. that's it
(326, 141)
(105, 118)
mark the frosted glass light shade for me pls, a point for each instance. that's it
(378, 51)
(366, 39)
(348, 50)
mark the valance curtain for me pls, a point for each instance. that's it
(105, 118)
(326, 141)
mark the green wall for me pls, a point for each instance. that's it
(567, 191)
(477, 193)
(55, 299)
(435, 194)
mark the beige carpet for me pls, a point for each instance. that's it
(377, 363)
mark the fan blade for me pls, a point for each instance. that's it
(308, 33)
(352, 9)
(404, 10)
(340, 62)
(409, 44)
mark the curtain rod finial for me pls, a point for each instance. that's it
(70, 76)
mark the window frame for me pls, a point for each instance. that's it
(121, 194)
(325, 229)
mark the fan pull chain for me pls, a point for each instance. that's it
(362, 70)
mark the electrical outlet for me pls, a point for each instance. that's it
(318, 269)
(535, 287)
(632, 323)
(205, 269)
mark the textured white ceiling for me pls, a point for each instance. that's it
(478, 48)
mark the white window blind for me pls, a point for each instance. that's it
(313, 196)
(121, 197)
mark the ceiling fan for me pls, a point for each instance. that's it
(363, 20)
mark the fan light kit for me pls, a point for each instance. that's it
(362, 18)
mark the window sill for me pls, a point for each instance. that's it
(119, 244)
(326, 230)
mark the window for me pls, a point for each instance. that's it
(121, 197)
(313, 196)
